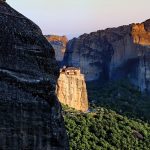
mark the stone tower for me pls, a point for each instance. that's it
(71, 89)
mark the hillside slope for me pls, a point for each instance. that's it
(104, 129)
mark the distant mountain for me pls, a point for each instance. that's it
(113, 54)
(59, 44)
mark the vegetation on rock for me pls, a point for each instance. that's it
(122, 97)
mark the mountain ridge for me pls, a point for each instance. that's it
(107, 53)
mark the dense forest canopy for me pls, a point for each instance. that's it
(118, 119)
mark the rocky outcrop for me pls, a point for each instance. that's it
(140, 35)
(71, 89)
(113, 53)
(59, 44)
(30, 114)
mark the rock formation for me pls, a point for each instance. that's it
(59, 44)
(30, 114)
(140, 35)
(113, 53)
(71, 89)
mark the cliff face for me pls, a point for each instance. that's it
(113, 53)
(71, 89)
(140, 35)
(59, 44)
(30, 114)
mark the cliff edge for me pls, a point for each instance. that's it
(71, 89)
(30, 114)
(112, 54)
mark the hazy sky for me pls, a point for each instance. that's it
(75, 17)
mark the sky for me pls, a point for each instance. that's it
(75, 17)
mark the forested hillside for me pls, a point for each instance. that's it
(104, 129)
(118, 119)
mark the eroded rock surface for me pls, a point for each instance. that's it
(114, 53)
(59, 44)
(140, 35)
(71, 89)
(30, 114)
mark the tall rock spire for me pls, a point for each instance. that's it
(30, 114)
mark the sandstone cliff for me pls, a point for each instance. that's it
(71, 89)
(140, 35)
(30, 114)
(59, 44)
(113, 53)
